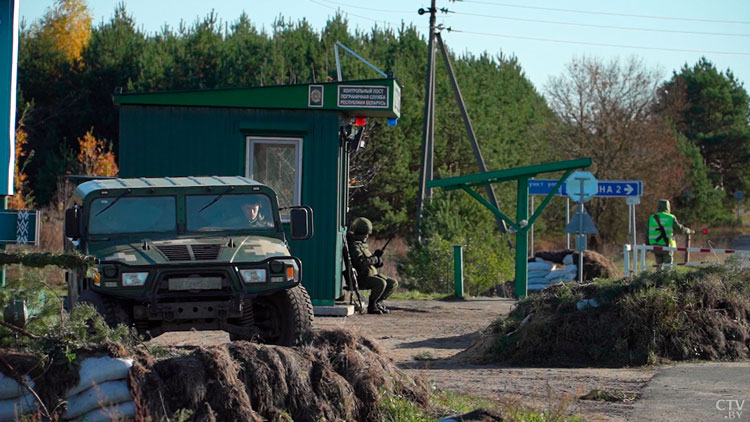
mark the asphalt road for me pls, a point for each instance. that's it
(705, 392)
(741, 242)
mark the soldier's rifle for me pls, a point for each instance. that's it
(381, 251)
(350, 274)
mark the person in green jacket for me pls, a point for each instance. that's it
(366, 264)
(661, 228)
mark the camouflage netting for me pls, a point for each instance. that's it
(70, 261)
(336, 376)
(701, 314)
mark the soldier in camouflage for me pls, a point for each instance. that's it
(366, 264)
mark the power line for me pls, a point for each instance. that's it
(368, 8)
(587, 12)
(352, 14)
(601, 26)
(557, 41)
(729, 53)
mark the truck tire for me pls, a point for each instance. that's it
(284, 317)
(113, 313)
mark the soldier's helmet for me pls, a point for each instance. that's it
(664, 206)
(361, 226)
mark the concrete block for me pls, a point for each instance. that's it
(338, 310)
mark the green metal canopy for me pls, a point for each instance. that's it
(523, 223)
(361, 98)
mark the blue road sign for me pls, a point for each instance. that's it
(620, 188)
(607, 188)
(544, 187)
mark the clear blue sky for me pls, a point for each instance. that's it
(669, 33)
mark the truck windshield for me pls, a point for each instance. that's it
(227, 211)
(133, 214)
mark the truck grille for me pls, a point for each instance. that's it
(205, 252)
(189, 253)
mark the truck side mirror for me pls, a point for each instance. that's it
(73, 223)
(301, 223)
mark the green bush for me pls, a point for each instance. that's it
(454, 218)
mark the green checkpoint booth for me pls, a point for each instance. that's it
(293, 138)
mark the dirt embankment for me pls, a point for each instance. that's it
(335, 376)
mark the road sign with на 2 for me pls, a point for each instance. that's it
(607, 188)
(620, 188)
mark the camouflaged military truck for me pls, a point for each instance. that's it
(205, 253)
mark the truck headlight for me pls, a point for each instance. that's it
(134, 279)
(253, 276)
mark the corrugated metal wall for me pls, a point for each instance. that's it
(158, 141)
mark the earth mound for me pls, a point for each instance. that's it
(335, 375)
(671, 315)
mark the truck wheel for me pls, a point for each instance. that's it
(112, 312)
(283, 317)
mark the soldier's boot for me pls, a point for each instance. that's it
(372, 308)
(380, 305)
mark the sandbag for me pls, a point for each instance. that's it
(536, 286)
(11, 408)
(540, 266)
(537, 274)
(538, 280)
(100, 395)
(558, 274)
(9, 388)
(568, 260)
(564, 278)
(571, 268)
(115, 412)
(94, 371)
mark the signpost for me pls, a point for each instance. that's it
(8, 74)
(581, 186)
(628, 189)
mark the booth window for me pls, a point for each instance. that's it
(277, 162)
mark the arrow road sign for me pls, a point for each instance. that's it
(607, 188)
(620, 188)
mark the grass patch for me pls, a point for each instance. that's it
(417, 295)
(448, 403)
(399, 409)
(680, 314)
(424, 355)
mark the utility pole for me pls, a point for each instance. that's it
(470, 131)
(428, 127)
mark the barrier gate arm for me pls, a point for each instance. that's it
(521, 175)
